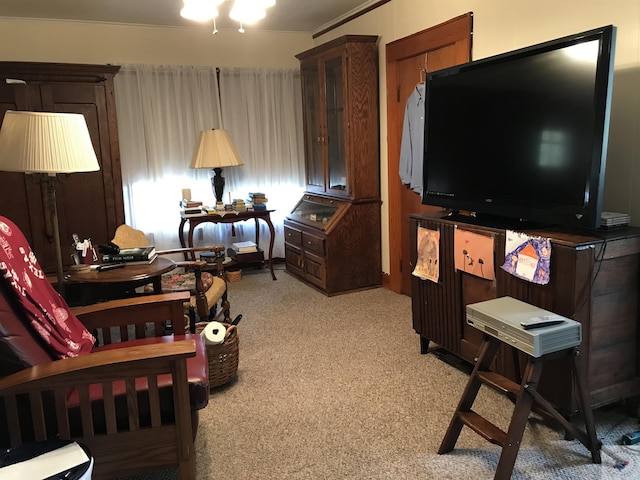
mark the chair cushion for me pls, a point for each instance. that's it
(213, 294)
(197, 375)
(197, 371)
(183, 282)
(46, 313)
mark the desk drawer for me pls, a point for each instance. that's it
(293, 236)
(313, 243)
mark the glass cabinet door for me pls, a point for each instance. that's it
(313, 130)
(334, 108)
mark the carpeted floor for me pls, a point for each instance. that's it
(336, 388)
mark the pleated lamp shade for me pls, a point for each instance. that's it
(215, 150)
(43, 142)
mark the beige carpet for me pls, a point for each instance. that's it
(336, 388)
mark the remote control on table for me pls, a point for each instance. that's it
(542, 321)
(110, 266)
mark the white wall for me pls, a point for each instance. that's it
(78, 42)
(504, 25)
(499, 26)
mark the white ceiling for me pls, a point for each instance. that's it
(287, 15)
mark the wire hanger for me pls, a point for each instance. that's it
(424, 69)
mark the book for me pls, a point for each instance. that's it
(139, 254)
(246, 257)
(141, 262)
(190, 203)
(245, 247)
(189, 210)
(192, 212)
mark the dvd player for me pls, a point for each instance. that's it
(528, 328)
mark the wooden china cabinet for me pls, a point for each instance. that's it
(332, 237)
(89, 203)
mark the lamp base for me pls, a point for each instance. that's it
(217, 184)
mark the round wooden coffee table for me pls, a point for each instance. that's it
(95, 286)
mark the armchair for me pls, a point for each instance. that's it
(102, 374)
(206, 289)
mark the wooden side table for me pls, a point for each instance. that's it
(229, 217)
(95, 286)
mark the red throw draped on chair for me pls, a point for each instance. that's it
(62, 333)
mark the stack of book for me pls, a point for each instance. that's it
(259, 200)
(245, 253)
(245, 247)
(131, 256)
(239, 205)
(614, 219)
(191, 208)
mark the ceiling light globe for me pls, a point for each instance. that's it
(200, 10)
(247, 11)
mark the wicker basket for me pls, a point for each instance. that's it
(223, 358)
(234, 275)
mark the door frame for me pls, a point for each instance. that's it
(457, 30)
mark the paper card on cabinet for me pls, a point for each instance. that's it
(474, 253)
(527, 257)
(428, 264)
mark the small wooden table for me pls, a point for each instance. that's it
(230, 217)
(119, 282)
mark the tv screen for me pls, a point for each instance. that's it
(523, 135)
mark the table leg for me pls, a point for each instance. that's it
(157, 284)
(181, 232)
(257, 232)
(272, 235)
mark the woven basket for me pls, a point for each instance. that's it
(234, 275)
(223, 358)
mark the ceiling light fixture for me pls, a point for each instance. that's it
(243, 11)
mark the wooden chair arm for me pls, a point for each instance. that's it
(210, 248)
(106, 366)
(191, 251)
(136, 311)
(191, 264)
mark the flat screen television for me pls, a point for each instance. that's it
(522, 136)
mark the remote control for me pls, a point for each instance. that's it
(110, 266)
(543, 321)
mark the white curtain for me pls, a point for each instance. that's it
(262, 111)
(161, 111)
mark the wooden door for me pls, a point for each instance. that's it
(20, 196)
(87, 200)
(438, 47)
(90, 203)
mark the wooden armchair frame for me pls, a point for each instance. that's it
(204, 301)
(38, 403)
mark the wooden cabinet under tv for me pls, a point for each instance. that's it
(594, 280)
(334, 245)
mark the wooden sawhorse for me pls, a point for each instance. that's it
(525, 396)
